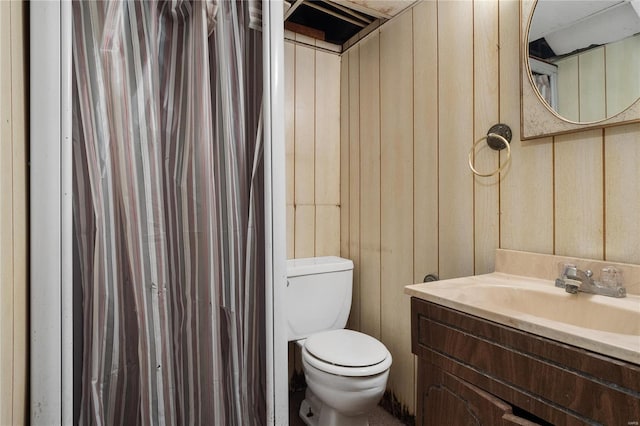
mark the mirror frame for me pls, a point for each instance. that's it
(538, 120)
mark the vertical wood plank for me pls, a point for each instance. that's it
(354, 181)
(327, 222)
(455, 201)
(289, 118)
(526, 189)
(370, 186)
(305, 244)
(20, 214)
(304, 126)
(289, 121)
(568, 88)
(622, 70)
(396, 141)
(592, 85)
(622, 193)
(578, 195)
(486, 113)
(345, 160)
(425, 144)
(327, 136)
(6, 221)
(13, 217)
(425, 141)
(291, 231)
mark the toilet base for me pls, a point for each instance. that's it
(314, 413)
(307, 414)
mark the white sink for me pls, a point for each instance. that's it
(602, 324)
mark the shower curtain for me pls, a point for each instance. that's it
(168, 212)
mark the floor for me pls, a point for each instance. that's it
(378, 416)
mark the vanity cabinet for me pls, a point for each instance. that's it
(474, 371)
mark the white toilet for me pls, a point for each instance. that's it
(346, 371)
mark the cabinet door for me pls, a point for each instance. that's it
(444, 399)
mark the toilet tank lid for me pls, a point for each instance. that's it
(317, 265)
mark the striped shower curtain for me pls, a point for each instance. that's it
(168, 212)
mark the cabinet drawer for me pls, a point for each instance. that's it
(447, 399)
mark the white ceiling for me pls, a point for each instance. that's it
(568, 25)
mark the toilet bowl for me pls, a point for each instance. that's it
(346, 371)
(346, 374)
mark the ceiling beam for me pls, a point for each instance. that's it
(363, 9)
(292, 9)
(349, 11)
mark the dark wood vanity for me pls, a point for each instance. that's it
(473, 371)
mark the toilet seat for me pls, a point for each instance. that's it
(346, 353)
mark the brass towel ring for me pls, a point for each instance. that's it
(490, 138)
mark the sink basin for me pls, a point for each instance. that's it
(602, 324)
(581, 310)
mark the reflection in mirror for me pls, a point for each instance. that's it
(584, 56)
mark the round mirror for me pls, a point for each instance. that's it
(584, 57)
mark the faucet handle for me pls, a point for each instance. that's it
(611, 277)
(567, 269)
(572, 272)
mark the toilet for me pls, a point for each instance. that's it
(346, 371)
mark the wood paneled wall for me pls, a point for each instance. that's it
(13, 216)
(415, 95)
(600, 82)
(312, 126)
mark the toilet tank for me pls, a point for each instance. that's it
(318, 295)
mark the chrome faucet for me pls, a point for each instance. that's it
(574, 280)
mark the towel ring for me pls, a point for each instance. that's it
(490, 138)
